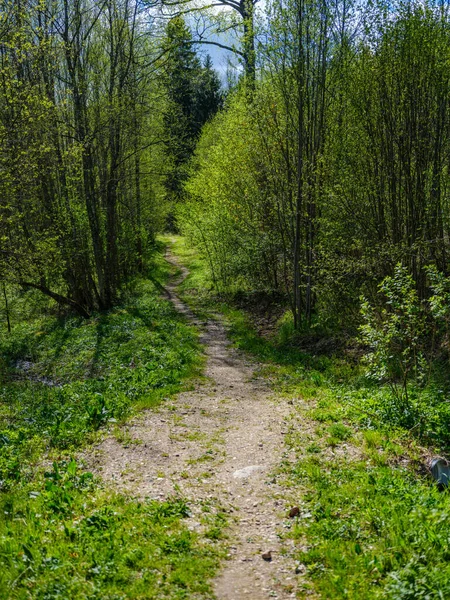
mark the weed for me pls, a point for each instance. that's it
(373, 439)
(314, 449)
(340, 431)
(124, 437)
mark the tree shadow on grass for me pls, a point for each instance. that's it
(101, 334)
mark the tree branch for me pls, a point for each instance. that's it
(58, 297)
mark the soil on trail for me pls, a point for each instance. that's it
(218, 444)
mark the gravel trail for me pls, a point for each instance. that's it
(217, 444)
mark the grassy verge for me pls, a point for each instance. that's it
(64, 538)
(64, 380)
(372, 524)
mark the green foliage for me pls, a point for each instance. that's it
(395, 334)
(401, 338)
(321, 204)
(228, 214)
(193, 97)
(339, 431)
(373, 532)
(60, 537)
(339, 383)
(61, 534)
(439, 304)
(78, 215)
(370, 525)
(440, 300)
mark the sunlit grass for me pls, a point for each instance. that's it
(64, 537)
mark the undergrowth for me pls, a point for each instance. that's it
(64, 537)
(82, 374)
(367, 530)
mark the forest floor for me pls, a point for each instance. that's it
(217, 446)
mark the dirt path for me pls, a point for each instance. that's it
(217, 444)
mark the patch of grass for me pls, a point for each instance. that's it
(323, 416)
(124, 437)
(314, 449)
(340, 431)
(372, 532)
(189, 435)
(207, 456)
(64, 380)
(197, 289)
(64, 538)
(372, 439)
(215, 521)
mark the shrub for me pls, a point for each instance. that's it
(394, 335)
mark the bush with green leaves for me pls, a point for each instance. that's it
(223, 205)
(394, 335)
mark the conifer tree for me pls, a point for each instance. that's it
(193, 97)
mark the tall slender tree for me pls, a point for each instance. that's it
(73, 93)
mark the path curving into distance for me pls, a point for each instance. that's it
(218, 444)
